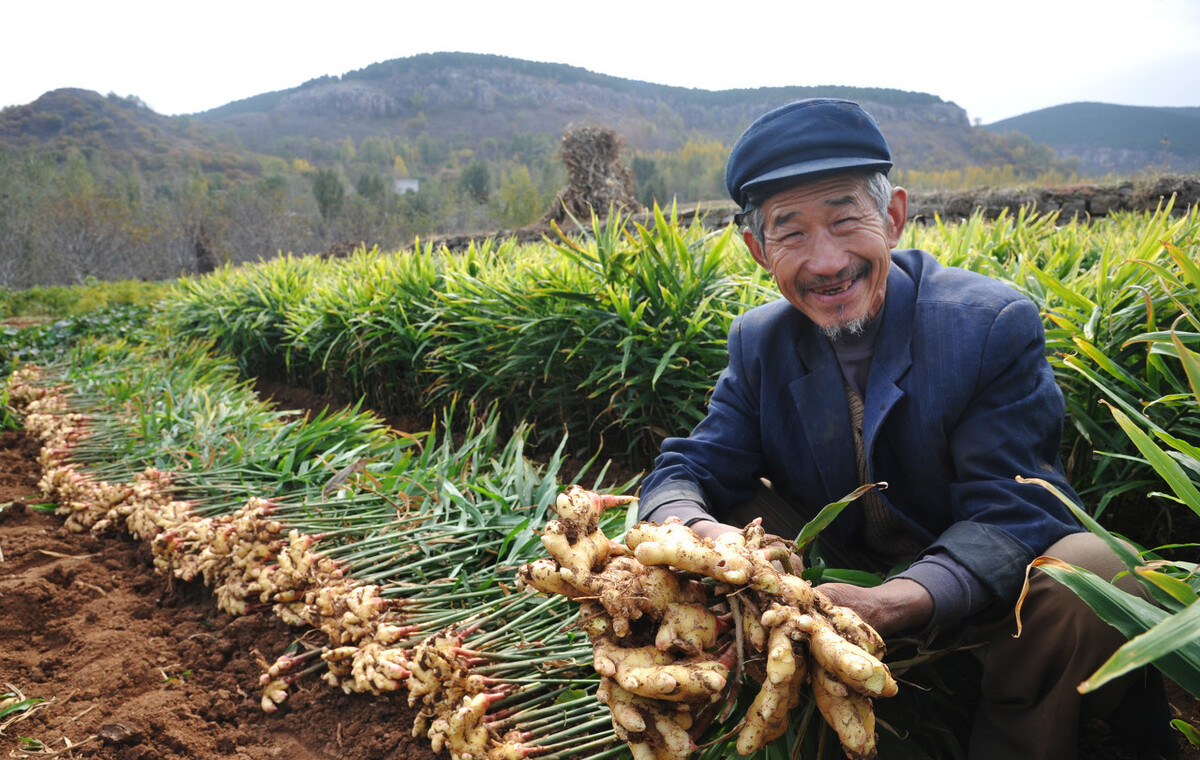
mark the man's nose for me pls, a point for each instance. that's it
(826, 256)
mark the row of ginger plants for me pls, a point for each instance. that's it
(399, 551)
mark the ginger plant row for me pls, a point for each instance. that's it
(252, 561)
(627, 591)
(676, 621)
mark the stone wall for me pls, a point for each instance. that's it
(1070, 202)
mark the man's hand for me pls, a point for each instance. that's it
(712, 529)
(894, 606)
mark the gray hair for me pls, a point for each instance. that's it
(878, 187)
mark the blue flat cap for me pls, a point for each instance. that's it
(800, 141)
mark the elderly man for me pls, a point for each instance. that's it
(881, 365)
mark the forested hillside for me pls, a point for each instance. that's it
(1107, 138)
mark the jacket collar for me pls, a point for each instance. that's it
(892, 357)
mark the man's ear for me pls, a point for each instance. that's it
(755, 249)
(897, 214)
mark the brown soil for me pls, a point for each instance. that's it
(132, 667)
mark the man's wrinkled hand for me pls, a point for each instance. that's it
(896, 605)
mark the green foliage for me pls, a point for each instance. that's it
(9, 419)
(619, 336)
(430, 151)
(629, 327)
(650, 187)
(379, 151)
(363, 332)
(518, 202)
(1109, 291)
(475, 181)
(329, 192)
(14, 702)
(371, 186)
(59, 301)
(45, 341)
(243, 311)
(1162, 634)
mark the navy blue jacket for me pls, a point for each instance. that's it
(960, 401)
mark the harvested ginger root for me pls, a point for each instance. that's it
(666, 612)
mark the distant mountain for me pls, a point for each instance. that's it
(1113, 138)
(466, 101)
(124, 130)
(466, 97)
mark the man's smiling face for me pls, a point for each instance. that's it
(829, 249)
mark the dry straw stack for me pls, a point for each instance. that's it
(597, 181)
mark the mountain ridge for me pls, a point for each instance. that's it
(462, 100)
(497, 96)
(1107, 137)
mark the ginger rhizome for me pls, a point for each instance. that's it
(675, 620)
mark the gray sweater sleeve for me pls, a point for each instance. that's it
(957, 593)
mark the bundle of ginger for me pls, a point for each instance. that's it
(675, 619)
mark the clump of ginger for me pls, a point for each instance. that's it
(675, 619)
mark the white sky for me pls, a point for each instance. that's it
(996, 59)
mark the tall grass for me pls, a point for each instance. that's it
(614, 339)
(1110, 292)
(363, 331)
(244, 310)
(54, 302)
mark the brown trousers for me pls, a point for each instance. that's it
(1029, 706)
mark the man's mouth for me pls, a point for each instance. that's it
(838, 284)
(836, 289)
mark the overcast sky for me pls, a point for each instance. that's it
(995, 59)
